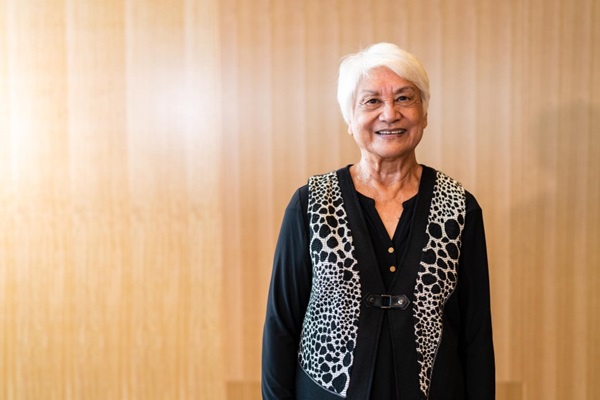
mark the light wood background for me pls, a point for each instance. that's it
(148, 149)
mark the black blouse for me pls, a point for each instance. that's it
(390, 254)
(468, 314)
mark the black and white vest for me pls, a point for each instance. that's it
(334, 342)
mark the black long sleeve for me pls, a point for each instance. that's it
(474, 298)
(287, 301)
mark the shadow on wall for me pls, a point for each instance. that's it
(553, 227)
(560, 172)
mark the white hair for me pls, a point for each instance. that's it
(357, 66)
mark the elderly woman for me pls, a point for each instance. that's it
(380, 284)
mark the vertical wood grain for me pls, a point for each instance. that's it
(98, 200)
(204, 347)
(37, 321)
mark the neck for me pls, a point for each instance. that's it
(386, 174)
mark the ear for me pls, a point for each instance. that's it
(349, 130)
(425, 121)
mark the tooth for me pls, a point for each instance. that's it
(396, 132)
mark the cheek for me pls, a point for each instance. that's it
(359, 123)
(418, 120)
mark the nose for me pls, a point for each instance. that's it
(389, 113)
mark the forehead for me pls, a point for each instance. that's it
(383, 80)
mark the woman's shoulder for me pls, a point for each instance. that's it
(299, 199)
(471, 202)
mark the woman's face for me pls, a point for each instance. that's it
(388, 118)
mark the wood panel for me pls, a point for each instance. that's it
(509, 391)
(106, 222)
(148, 150)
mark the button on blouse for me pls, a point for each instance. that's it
(388, 251)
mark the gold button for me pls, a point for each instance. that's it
(392, 269)
(391, 250)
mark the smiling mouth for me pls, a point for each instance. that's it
(392, 132)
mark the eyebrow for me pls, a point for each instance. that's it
(399, 90)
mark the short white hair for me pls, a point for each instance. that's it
(354, 67)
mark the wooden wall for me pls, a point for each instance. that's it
(148, 150)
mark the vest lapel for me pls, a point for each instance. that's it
(369, 324)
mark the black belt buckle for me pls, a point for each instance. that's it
(387, 301)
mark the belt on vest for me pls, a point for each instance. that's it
(387, 301)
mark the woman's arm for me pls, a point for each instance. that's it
(286, 304)
(476, 339)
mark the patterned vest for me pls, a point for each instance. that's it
(330, 328)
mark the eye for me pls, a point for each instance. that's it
(370, 103)
(404, 99)
(407, 97)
